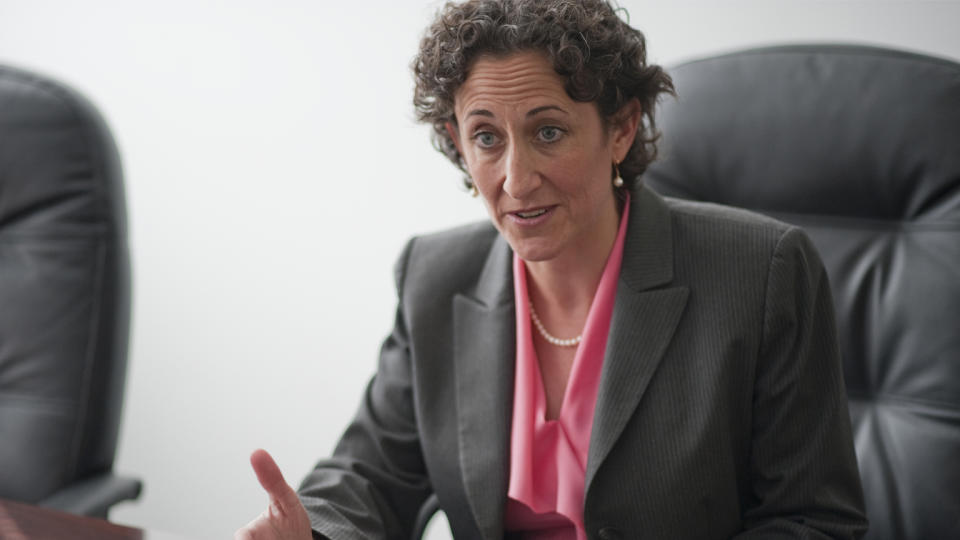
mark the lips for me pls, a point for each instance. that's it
(531, 216)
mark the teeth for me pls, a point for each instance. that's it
(535, 213)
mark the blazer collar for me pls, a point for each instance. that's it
(648, 249)
(644, 317)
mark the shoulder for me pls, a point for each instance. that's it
(723, 219)
(446, 260)
(452, 249)
(714, 243)
(735, 230)
(456, 244)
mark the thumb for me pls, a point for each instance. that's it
(270, 477)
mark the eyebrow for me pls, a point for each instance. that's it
(480, 112)
(532, 112)
(538, 110)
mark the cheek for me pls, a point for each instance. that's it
(490, 204)
(485, 174)
(489, 195)
(487, 188)
(581, 174)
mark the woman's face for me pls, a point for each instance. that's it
(541, 160)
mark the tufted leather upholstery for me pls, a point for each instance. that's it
(64, 299)
(861, 147)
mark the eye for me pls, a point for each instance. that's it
(485, 139)
(549, 133)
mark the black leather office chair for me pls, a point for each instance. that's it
(64, 299)
(861, 147)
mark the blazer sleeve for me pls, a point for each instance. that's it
(805, 481)
(375, 482)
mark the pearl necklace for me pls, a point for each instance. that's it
(572, 342)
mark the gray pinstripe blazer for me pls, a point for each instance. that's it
(721, 409)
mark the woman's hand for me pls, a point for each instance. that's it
(285, 518)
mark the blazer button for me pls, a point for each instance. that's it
(609, 533)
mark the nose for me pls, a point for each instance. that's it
(522, 177)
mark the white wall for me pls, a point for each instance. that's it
(273, 173)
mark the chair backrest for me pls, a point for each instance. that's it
(64, 288)
(861, 147)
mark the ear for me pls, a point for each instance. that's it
(624, 128)
(455, 135)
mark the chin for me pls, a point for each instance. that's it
(533, 251)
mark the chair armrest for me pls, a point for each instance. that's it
(95, 495)
(430, 507)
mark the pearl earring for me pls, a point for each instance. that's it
(617, 181)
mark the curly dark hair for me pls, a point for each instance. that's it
(601, 57)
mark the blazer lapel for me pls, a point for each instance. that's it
(645, 315)
(484, 343)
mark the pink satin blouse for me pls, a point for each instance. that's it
(548, 458)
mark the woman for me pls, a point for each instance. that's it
(600, 362)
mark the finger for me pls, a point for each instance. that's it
(248, 532)
(258, 529)
(270, 477)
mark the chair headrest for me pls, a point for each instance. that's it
(838, 130)
(59, 167)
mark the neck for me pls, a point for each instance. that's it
(567, 283)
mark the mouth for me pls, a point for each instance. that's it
(531, 213)
(531, 216)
